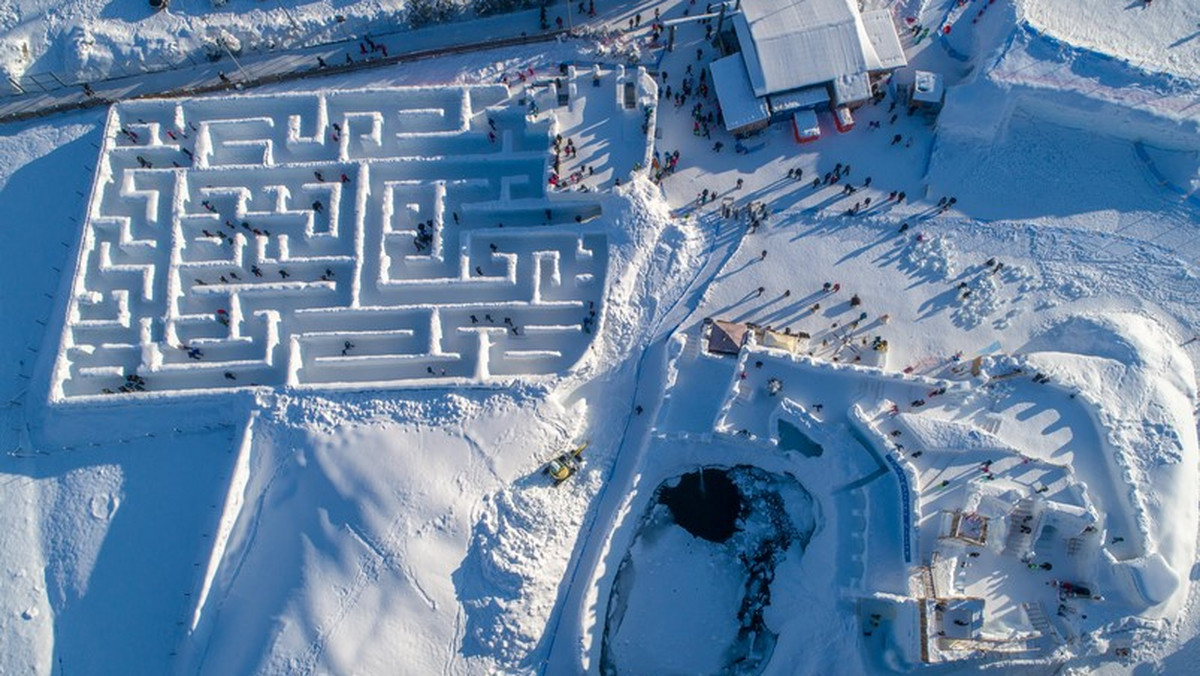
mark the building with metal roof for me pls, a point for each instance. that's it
(792, 46)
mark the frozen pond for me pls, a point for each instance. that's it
(689, 595)
(791, 438)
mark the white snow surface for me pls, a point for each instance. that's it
(1157, 37)
(363, 529)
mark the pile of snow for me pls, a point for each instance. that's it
(515, 561)
(932, 256)
(1041, 60)
(347, 533)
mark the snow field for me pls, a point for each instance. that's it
(1157, 37)
(341, 237)
(1081, 222)
(108, 573)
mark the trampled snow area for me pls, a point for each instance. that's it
(961, 432)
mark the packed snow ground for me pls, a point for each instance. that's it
(359, 531)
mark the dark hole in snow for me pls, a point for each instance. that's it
(791, 438)
(706, 504)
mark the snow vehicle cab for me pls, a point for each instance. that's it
(566, 465)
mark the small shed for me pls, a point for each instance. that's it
(928, 90)
(843, 119)
(726, 337)
(962, 618)
(805, 126)
(742, 110)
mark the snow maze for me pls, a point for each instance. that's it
(395, 236)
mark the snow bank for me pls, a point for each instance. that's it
(1156, 37)
(363, 518)
(90, 39)
(1056, 80)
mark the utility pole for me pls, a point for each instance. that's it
(245, 77)
(289, 16)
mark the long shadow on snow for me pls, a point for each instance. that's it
(151, 513)
(39, 201)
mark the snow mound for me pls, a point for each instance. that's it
(516, 557)
(82, 40)
(932, 256)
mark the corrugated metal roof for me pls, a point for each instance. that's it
(809, 97)
(886, 52)
(739, 105)
(789, 44)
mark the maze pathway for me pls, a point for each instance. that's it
(349, 238)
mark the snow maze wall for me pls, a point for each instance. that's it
(360, 237)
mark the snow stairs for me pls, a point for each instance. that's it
(692, 347)
(1041, 622)
(871, 390)
(1017, 542)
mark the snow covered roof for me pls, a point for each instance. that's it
(927, 87)
(790, 44)
(740, 106)
(886, 52)
(807, 126)
(789, 342)
(809, 97)
(962, 617)
(851, 88)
